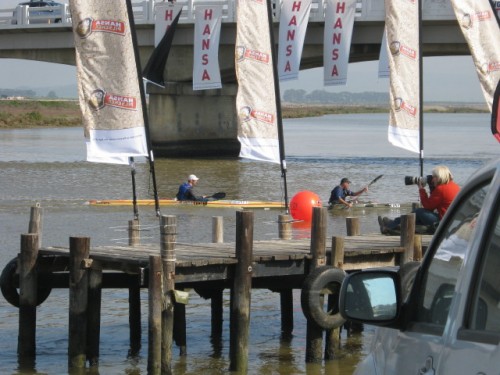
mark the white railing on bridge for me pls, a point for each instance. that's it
(366, 10)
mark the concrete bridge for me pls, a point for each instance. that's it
(184, 122)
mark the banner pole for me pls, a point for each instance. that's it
(134, 193)
(144, 105)
(420, 89)
(279, 118)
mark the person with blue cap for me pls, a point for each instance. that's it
(341, 192)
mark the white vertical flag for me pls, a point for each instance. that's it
(108, 81)
(206, 72)
(383, 60)
(165, 15)
(482, 33)
(339, 22)
(293, 25)
(256, 99)
(402, 38)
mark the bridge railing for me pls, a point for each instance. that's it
(144, 12)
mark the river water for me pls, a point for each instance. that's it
(47, 166)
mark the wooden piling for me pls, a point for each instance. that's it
(168, 229)
(240, 293)
(35, 224)
(94, 315)
(332, 337)
(285, 227)
(180, 327)
(26, 347)
(417, 248)
(314, 336)
(154, 317)
(134, 295)
(134, 233)
(79, 248)
(352, 224)
(407, 237)
(286, 304)
(217, 229)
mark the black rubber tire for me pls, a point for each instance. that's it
(324, 277)
(9, 290)
(407, 273)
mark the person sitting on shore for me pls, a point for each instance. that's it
(341, 192)
(185, 192)
(434, 206)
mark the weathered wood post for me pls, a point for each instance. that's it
(285, 226)
(94, 315)
(79, 249)
(28, 286)
(168, 229)
(180, 327)
(314, 339)
(417, 247)
(154, 318)
(352, 224)
(217, 229)
(240, 293)
(134, 295)
(407, 236)
(333, 335)
(35, 224)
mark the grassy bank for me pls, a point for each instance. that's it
(18, 114)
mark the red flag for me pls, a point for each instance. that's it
(495, 114)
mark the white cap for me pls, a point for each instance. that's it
(192, 177)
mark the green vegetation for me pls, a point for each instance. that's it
(40, 113)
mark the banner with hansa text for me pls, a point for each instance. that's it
(481, 30)
(294, 18)
(255, 99)
(206, 71)
(108, 82)
(339, 22)
(402, 30)
(166, 13)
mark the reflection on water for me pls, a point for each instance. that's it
(47, 166)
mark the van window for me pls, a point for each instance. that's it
(438, 286)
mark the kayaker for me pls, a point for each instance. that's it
(185, 192)
(341, 192)
(434, 206)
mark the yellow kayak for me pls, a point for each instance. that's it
(222, 203)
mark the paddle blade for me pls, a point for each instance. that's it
(375, 179)
(219, 195)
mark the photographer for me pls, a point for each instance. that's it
(443, 191)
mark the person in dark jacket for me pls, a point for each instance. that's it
(341, 192)
(185, 192)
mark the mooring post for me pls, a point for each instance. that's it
(407, 236)
(26, 347)
(286, 303)
(94, 315)
(333, 335)
(217, 229)
(154, 318)
(417, 247)
(180, 327)
(314, 339)
(168, 229)
(352, 224)
(241, 293)
(134, 233)
(79, 249)
(285, 227)
(134, 295)
(35, 224)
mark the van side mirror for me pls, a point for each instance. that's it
(371, 297)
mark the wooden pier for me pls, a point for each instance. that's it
(169, 268)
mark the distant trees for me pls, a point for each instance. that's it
(52, 95)
(325, 97)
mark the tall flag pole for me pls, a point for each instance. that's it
(420, 90)
(495, 114)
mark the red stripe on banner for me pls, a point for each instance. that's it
(495, 114)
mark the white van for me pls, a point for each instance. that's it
(448, 321)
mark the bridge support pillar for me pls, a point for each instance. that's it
(186, 123)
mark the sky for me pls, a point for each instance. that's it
(446, 79)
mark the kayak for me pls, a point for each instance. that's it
(363, 205)
(222, 203)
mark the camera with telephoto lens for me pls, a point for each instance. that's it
(427, 180)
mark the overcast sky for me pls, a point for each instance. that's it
(445, 78)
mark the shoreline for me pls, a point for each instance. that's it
(32, 114)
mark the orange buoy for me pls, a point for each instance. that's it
(302, 203)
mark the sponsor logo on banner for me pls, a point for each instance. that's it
(490, 67)
(400, 104)
(246, 114)
(100, 99)
(469, 19)
(243, 53)
(396, 48)
(88, 25)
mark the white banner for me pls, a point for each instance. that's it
(206, 72)
(482, 33)
(339, 22)
(402, 40)
(383, 60)
(108, 82)
(165, 15)
(293, 25)
(256, 98)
